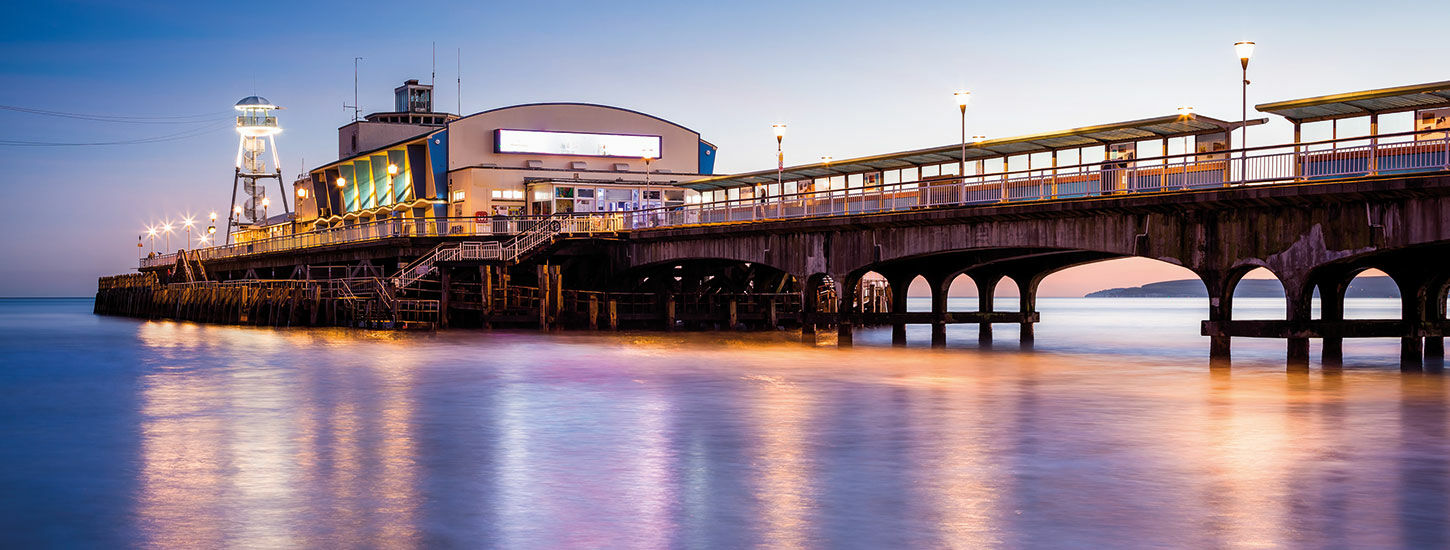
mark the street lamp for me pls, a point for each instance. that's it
(645, 197)
(1245, 50)
(341, 182)
(392, 169)
(188, 222)
(151, 232)
(779, 155)
(962, 98)
(167, 230)
(265, 203)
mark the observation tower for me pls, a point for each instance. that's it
(257, 128)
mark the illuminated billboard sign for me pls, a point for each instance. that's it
(576, 143)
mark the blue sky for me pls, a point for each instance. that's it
(850, 78)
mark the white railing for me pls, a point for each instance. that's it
(1309, 161)
(1384, 155)
(394, 227)
(538, 234)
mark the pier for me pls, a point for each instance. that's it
(837, 248)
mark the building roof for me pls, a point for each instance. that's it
(1102, 134)
(255, 101)
(1363, 103)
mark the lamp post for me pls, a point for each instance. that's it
(1245, 50)
(188, 222)
(265, 203)
(962, 98)
(645, 197)
(167, 230)
(779, 155)
(151, 232)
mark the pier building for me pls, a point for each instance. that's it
(1314, 212)
(418, 172)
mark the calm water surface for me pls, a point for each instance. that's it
(1114, 433)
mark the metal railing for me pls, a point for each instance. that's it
(396, 227)
(1305, 161)
(1331, 159)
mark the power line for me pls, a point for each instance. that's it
(128, 119)
(191, 133)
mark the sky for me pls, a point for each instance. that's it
(849, 78)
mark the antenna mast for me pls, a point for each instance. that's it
(354, 107)
(460, 81)
(434, 76)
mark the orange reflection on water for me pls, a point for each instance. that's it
(247, 454)
(782, 412)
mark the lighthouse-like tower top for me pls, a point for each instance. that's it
(255, 123)
(256, 118)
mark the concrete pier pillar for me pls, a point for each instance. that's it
(1298, 297)
(1298, 353)
(986, 293)
(846, 307)
(900, 285)
(1412, 356)
(1220, 309)
(1434, 347)
(939, 289)
(1026, 304)
(1331, 308)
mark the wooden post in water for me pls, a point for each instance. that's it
(593, 312)
(445, 279)
(669, 312)
(543, 275)
(556, 284)
(771, 317)
(731, 313)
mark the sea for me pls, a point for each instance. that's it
(1112, 432)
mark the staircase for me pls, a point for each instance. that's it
(535, 236)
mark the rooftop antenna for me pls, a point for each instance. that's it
(433, 77)
(460, 81)
(354, 107)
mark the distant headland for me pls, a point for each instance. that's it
(1362, 287)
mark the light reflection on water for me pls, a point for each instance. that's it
(1114, 433)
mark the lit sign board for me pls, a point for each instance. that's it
(576, 143)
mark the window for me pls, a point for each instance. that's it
(458, 195)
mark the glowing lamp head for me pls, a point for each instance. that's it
(266, 202)
(341, 182)
(392, 169)
(962, 98)
(210, 229)
(166, 228)
(151, 231)
(1185, 111)
(213, 216)
(237, 209)
(188, 222)
(779, 131)
(1245, 50)
(301, 192)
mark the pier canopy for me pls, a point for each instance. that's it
(1363, 103)
(1102, 135)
